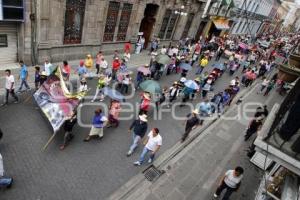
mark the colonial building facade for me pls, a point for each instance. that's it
(70, 29)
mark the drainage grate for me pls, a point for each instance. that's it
(152, 173)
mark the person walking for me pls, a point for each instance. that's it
(114, 112)
(9, 87)
(145, 103)
(70, 121)
(89, 64)
(23, 76)
(115, 67)
(103, 66)
(230, 182)
(37, 77)
(264, 84)
(173, 91)
(152, 145)
(138, 129)
(191, 123)
(4, 182)
(47, 67)
(102, 82)
(98, 123)
(253, 127)
(203, 63)
(81, 70)
(66, 70)
(270, 86)
(99, 59)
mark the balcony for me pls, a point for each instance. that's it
(275, 140)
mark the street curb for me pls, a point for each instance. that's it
(162, 161)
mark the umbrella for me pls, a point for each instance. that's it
(219, 66)
(243, 45)
(192, 85)
(113, 94)
(163, 59)
(185, 66)
(144, 70)
(124, 73)
(151, 86)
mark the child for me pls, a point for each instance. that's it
(37, 77)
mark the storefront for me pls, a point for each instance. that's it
(11, 15)
(8, 43)
(217, 26)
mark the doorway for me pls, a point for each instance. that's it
(148, 22)
(213, 31)
(200, 30)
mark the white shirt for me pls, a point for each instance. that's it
(82, 88)
(231, 180)
(48, 68)
(9, 80)
(1, 167)
(153, 142)
(103, 64)
(163, 51)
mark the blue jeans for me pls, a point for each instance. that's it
(200, 69)
(135, 142)
(5, 181)
(24, 82)
(144, 153)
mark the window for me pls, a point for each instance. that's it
(124, 22)
(188, 25)
(111, 21)
(74, 21)
(167, 25)
(3, 41)
(171, 26)
(12, 10)
(164, 24)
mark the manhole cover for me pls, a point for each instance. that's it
(152, 173)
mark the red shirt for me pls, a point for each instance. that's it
(67, 69)
(116, 65)
(127, 47)
(145, 104)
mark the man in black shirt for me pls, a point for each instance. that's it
(139, 127)
(192, 122)
(68, 127)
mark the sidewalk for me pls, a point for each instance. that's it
(193, 174)
(136, 60)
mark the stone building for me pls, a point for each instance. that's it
(70, 29)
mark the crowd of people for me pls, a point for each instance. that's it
(181, 58)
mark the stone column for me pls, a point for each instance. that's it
(136, 17)
(43, 25)
(93, 22)
(197, 19)
(180, 24)
(131, 30)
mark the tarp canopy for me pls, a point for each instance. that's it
(221, 24)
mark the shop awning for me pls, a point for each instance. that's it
(221, 24)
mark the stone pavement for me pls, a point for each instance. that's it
(193, 174)
(82, 171)
(136, 60)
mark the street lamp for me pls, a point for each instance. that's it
(181, 11)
